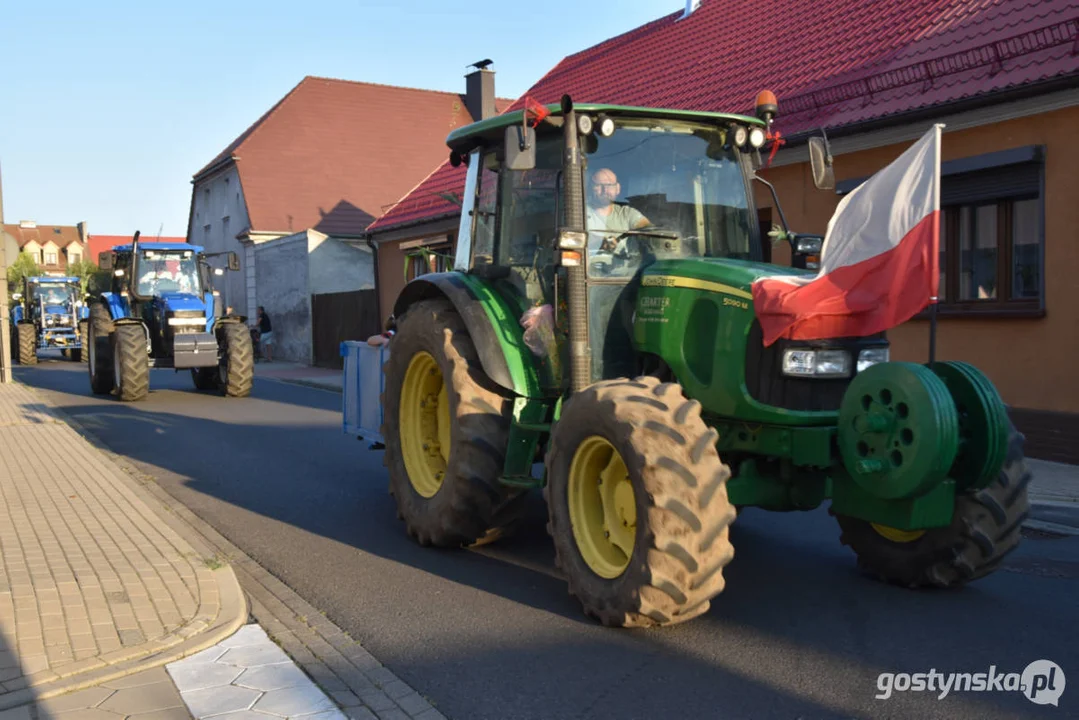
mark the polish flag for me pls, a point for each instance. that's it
(879, 264)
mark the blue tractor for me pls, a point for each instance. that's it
(49, 314)
(161, 312)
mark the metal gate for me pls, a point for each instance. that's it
(337, 317)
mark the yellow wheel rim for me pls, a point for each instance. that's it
(425, 425)
(897, 535)
(602, 507)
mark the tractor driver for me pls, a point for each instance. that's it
(606, 215)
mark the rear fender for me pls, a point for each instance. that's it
(492, 324)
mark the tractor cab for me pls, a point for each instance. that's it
(658, 190)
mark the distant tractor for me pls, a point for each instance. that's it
(161, 312)
(50, 314)
(630, 363)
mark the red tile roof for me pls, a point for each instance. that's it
(333, 154)
(101, 243)
(59, 235)
(839, 63)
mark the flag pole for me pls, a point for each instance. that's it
(933, 331)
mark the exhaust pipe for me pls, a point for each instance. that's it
(576, 290)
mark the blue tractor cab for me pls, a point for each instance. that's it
(49, 314)
(161, 312)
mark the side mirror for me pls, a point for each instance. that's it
(234, 262)
(820, 159)
(104, 260)
(520, 148)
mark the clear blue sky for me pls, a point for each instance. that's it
(111, 107)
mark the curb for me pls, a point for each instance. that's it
(202, 632)
(233, 603)
(361, 686)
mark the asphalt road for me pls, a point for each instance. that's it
(492, 633)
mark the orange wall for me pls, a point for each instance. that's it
(391, 276)
(1031, 361)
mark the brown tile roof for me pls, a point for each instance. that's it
(842, 63)
(59, 235)
(333, 154)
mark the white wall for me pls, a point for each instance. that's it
(281, 283)
(218, 214)
(334, 266)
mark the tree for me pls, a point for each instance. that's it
(91, 278)
(24, 266)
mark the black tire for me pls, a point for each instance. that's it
(83, 353)
(469, 502)
(985, 528)
(681, 540)
(130, 362)
(236, 371)
(99, 354)
(26, 335)
(205, 378)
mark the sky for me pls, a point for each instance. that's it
(111, 106)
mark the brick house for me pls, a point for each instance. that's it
(298, 189)
(53, 247)
(1002, 76)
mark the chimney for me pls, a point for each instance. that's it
(82, 232)
(691, 5)
(480, 91)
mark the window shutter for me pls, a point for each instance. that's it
(994, 184)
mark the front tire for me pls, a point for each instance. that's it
(985, 528)
(130, 362)
(638, 507)
(27, 343)
(446, 430)
(99, 350)
(83, 353)
(236, 371)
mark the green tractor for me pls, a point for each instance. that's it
(615, 344)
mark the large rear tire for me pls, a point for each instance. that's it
(985, 528)
(236, 371)
(637, 501)
(27, 343)
(130, 362)
(446, 431)
(99, 350)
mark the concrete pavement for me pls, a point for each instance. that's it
(110, 610)
(93, 587)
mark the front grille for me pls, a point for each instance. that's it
(768, 385)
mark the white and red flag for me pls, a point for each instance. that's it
(879, 266)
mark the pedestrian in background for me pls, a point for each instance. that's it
(265, 333)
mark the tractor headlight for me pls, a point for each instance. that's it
(739, 135)
(867, 358)
(756, 137)
(816, 363)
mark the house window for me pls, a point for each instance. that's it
(75, 258)
(50, 258)
(992, 241)
(992, 233)
(429, 258)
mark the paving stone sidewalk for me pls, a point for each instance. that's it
(93, 586)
